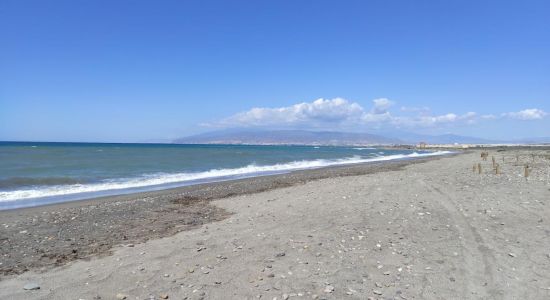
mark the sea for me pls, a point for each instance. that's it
(39, 173)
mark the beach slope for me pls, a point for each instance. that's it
(432, 230)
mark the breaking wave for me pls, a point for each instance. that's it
(181, 179)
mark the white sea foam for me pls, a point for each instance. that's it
(212, 175)
(364, 148)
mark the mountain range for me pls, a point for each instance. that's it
(305, 137)
(280, 137)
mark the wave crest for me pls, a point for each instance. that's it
(189, 178)
(16, 182)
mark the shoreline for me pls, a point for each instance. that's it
(41, 237)
(430, 228)
(136, 191)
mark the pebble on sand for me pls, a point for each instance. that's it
(121, 296)
(31, 286)
(329, 289)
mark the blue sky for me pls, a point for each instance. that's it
(155, 70)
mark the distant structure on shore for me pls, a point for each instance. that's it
(424, 145)
(473, 146)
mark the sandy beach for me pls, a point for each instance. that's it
(431, 228)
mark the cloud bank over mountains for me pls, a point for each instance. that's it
(526, 114)
(341, 113)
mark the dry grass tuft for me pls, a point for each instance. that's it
(484, 155)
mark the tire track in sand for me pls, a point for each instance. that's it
(479, 276)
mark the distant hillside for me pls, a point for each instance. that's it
(287, 137)
(304, 137)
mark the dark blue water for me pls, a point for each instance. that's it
(39, 173)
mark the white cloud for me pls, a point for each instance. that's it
(488, 117)
(377, 117)
(446, 118)
(338, 112)
(526, 114)
(319, 111)
(430, 121)
(422, 109)
(381, 106)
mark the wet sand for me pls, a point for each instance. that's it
(428, 229)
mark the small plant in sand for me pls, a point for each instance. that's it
(494, 162)
(484, 155)
(526, 171)
(479, 168)
(497, 169)
(474, 168)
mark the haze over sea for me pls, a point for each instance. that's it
(42, 173)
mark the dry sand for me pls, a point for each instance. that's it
(434, 230)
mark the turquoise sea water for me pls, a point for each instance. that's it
(39, 173)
